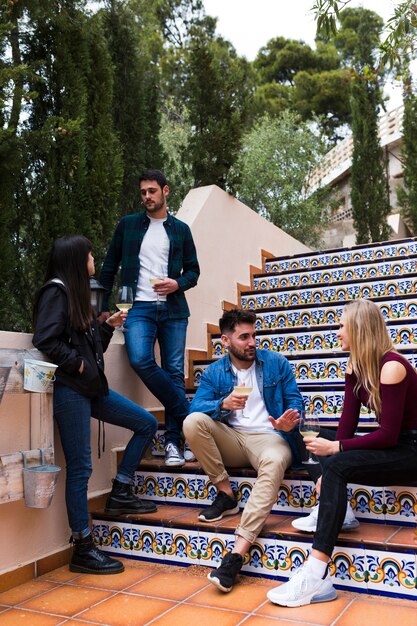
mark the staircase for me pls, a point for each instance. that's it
(298, 301)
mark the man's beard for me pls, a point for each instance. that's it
(242, 355)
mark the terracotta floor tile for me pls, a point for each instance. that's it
(187, 614)
(242, 597)
(405, 536)
(187, 517)
(276, 523)
(257, 620)
(117, 582)
(62, 575)
(126, 610)
(365, 613)
(67, 600)
(13, 617)
(323, 614)
(175, 586)
(19, 594)
(372, 533)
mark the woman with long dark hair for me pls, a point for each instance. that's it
(378, 377)
(67, 332)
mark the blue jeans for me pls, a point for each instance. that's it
(72, 412)
(147, 322)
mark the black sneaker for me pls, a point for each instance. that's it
(222, 505)
(224, 576)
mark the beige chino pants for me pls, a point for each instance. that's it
(216, 445)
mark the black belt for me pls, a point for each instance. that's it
(409, 433)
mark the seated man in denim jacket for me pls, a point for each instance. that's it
(228, 427)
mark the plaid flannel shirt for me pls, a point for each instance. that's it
(124, 251)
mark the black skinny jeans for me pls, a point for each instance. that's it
(377, 468)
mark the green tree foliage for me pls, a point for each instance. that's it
(272, 175)
(358, 38)
(407, 196)
(310, 82)
(213, 84)
(402, 27)
(67, 152)
(135, 44)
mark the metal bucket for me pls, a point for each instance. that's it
(39, 376)
(39, 483)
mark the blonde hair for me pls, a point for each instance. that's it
(369, 340)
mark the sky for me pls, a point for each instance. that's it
(250, 24)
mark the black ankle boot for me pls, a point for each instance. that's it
(88, 559)
(122, 500)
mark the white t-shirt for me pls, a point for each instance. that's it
(153, 259)
(254, 417)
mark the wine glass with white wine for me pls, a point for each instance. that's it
(242, 390)
(124, 300)
(309, 427)
(157, 275)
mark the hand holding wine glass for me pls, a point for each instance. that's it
(309, 427)
(124, 300)
(157, 276)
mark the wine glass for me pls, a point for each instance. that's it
(157, 275)
(124, 300)
(242, 390)
(309, 426)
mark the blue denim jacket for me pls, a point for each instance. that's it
(276, 383)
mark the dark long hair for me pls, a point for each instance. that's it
(68, 261)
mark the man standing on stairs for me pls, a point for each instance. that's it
(225, 428)
(158, 261)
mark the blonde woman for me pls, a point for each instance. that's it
(380, 378)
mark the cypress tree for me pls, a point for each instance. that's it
(369, 188)
(407, 195)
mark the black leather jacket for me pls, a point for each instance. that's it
(67, 347)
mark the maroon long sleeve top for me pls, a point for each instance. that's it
(398, 410)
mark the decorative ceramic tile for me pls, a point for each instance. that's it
(182, 546)
(290, 556)
(213, 547)
(313, 370)
(325, 315)
(289, 499)
(150, 485)
(391, 573)
(334, 275)
(401, 505)
(348, 568)
(182, 488)
(338, 257)
(315, 295)
(367, 502)
(262, 558)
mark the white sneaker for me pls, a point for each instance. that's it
(309, 524)
(188, 453)
(173, 456)
(303, 589)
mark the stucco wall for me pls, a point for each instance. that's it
(229, 237)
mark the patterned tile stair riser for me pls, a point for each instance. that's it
(402, 308)
(190, 487)
(369, 271)
(354, 567)
(288, 341)
(327, 368)
(358, 254)
(326, 294)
